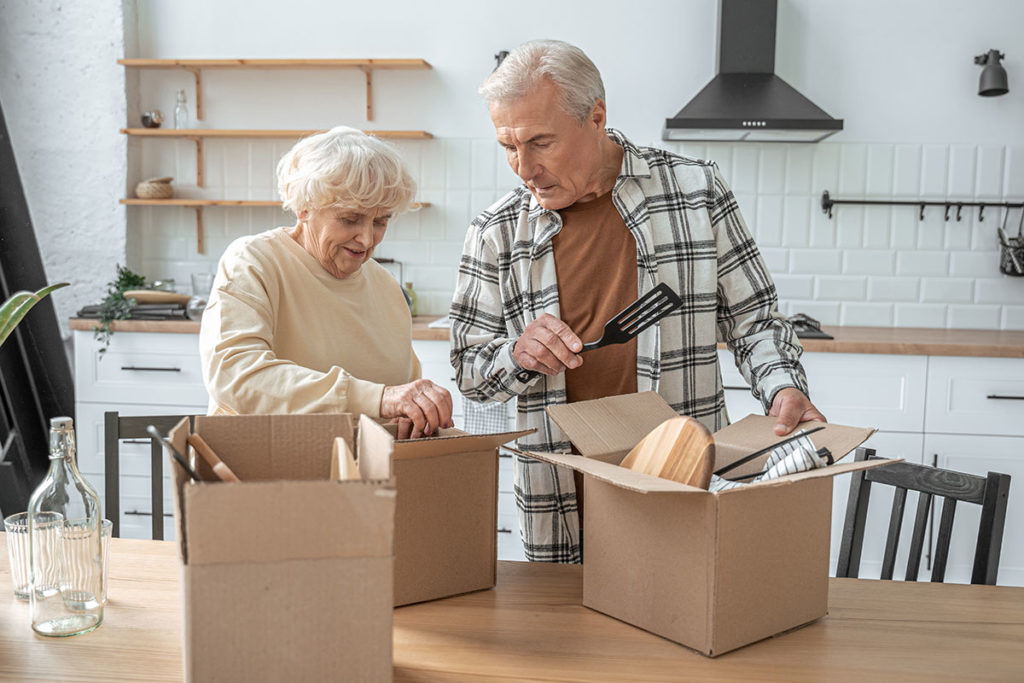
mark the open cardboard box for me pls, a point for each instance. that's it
(288, 574)
(711, 571)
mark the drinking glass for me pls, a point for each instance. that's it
(202, 283)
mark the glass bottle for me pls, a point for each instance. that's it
(66, 554)
(181, 111)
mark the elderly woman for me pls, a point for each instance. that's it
(301, 319)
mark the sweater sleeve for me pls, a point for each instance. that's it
(242, 373)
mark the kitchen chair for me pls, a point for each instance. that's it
(116, 428)
(990, 492)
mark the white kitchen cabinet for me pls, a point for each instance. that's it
(142, 373)
(976, 396)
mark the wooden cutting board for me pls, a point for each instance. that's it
(680, 449)
(156, 296)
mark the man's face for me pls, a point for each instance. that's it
(558, 158)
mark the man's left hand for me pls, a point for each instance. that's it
(792, 407)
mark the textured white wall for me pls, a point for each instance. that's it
(63, 97)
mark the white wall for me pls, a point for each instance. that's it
(62, 93)
(900, 74)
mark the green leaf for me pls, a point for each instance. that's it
(20, 303)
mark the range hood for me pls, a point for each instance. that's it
(746, 101)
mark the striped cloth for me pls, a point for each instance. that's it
(798, 455)
(690, 234)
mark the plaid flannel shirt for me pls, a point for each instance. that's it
(690, 234)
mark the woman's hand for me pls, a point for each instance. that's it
(426, 405)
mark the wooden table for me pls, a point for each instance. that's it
(533, 627)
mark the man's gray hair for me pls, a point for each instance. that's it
(565, 65)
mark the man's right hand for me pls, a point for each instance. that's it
(548, 346)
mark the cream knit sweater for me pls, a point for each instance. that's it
(281, 335)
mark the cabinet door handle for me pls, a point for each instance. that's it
(1005, 398)
(139, 513)
(729, 388)
(145, 441)
(137, 368)
(504, 531)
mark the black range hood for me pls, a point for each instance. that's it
(746, 101)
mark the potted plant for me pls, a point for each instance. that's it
(15, 308)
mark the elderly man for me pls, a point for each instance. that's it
(597, 222)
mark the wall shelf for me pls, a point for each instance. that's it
(197, 135)
(200, 204)
(195, 67)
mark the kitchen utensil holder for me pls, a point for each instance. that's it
(1011, 255)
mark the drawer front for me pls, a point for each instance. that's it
(863, 390)
(976, 396)
(886, 392)
(151, 368)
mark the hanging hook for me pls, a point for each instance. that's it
(959, 208)
(920, 216)
(947, 212)
(981, 213)
(826, 204)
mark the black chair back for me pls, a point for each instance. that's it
(115, 428)
(990, 492)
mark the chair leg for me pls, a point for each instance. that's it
(852, 543)
(111, 472)
(990, 532)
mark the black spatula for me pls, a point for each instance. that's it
(638, 316)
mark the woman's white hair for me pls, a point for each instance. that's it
(344, 167)
(565, 65)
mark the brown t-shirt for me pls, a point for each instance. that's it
(595, 261)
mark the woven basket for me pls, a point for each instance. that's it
(155, 188)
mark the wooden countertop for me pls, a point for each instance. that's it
(907, 341)
(533, 626)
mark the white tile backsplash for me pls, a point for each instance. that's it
(869, 265)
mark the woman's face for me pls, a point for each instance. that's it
(341, 238)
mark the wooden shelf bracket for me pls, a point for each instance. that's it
(199, 158)
(200, 242)
(199, 93)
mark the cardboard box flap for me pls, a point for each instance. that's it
(178, 437)
(294, 519)
(830, 471)
(613, 474)
(374, 446)
(263, 447)
(611, 425)
(755, 432)
(455, 443)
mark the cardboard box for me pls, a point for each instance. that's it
(711, 571)
(287, 575)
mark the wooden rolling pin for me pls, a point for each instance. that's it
(680, 449)
(219, 467)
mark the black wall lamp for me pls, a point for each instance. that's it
(993, 75)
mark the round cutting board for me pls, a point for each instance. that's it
(156, 296)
